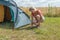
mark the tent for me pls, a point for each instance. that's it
(18, 16)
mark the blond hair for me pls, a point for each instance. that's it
(32, 8)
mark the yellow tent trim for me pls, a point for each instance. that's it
(1, 13)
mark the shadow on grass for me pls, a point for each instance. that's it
(6, 25)
(10, 25)
(28, 28)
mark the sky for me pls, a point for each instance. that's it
(38, 3)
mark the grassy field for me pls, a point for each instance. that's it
(49, 30)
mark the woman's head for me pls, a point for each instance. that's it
(32, 8)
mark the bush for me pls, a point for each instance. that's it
(52, 15)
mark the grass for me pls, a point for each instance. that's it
(49, 30)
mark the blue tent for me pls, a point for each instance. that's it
(19, 17)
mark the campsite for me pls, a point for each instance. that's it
(12, 16)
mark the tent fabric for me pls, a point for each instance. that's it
(22, 19)
(12, 14)
(18, 16)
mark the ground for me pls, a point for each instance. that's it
(49, 30)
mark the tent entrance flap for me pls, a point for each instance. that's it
(12, 14)
(7, 15)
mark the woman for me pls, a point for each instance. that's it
(36, 16)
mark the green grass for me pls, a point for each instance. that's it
(49, 30)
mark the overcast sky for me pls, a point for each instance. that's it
(38, 3)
